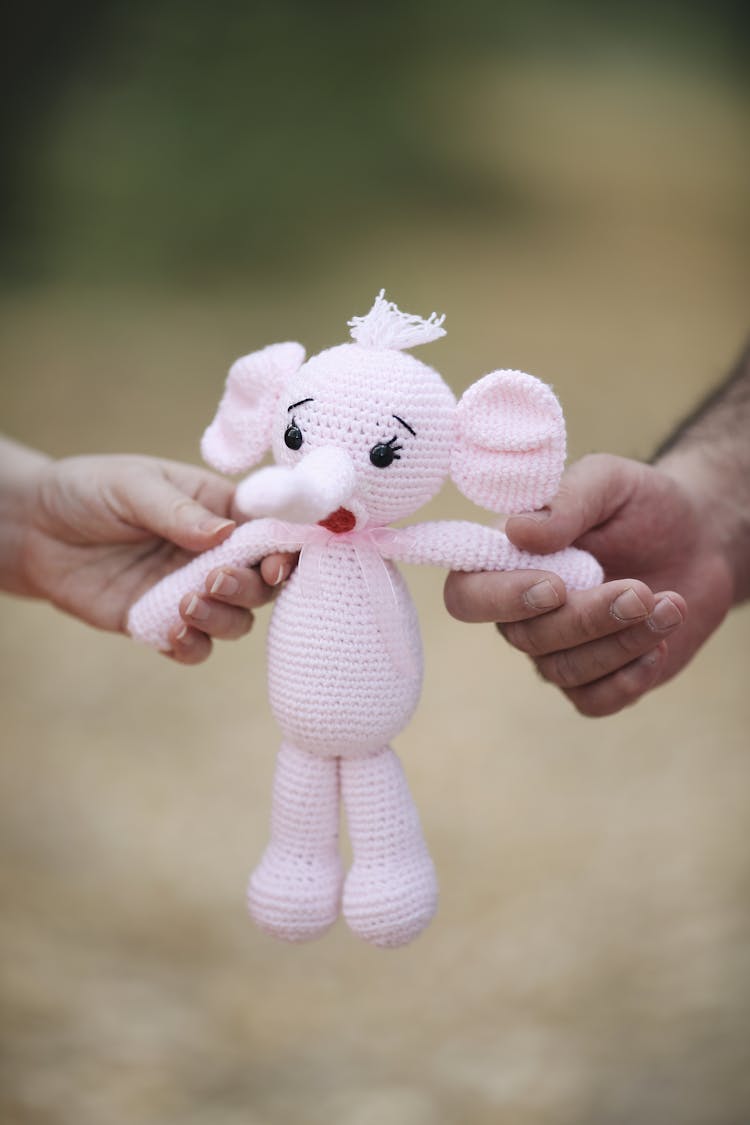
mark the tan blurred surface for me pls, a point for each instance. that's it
(589, 964)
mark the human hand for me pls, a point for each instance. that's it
(99, 531)
(660, 550)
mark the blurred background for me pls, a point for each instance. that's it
(184, 183)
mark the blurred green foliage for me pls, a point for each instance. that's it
(183, 141)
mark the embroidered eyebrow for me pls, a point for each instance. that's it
(403, 423)
(301, 402)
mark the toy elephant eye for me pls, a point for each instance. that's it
(293, 435)
(385, 453)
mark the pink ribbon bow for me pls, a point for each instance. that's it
(316, 540)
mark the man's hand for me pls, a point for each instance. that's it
(661, 553)
(97, 532)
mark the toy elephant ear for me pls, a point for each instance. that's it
(240, 434)
(510, 445)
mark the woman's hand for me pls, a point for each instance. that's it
(92, 534)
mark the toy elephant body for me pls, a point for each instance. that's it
(363, 434)
(342, 695)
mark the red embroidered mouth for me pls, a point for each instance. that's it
(339, 521)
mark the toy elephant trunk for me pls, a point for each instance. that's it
(313, 489)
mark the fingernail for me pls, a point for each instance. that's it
(665, 615)
(197, 609)
(539, 516)
(224, 584)
(542, 595)
(184, 636)
(628, 606)
(280, 576)
(214, 526)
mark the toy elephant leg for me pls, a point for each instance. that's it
(390, 893)
(295, 891)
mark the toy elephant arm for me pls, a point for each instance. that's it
(460, 545)
(155, 614)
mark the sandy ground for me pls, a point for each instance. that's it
(589, 964)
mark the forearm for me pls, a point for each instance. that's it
(20, 469)
(709, 455)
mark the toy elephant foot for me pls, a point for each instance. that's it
(293, 898)
(295, 891)
(390, 893)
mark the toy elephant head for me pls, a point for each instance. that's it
(364, 434)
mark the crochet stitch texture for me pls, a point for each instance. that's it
(362, 434)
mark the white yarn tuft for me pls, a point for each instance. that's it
(385, 326)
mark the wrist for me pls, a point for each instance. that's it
(21, 470)
(721, 505)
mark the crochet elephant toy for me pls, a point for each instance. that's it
(363, 434)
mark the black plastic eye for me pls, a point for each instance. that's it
(384, 454)
(293, 436)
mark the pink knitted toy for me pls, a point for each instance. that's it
(363, 434)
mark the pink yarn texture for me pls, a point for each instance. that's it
(362, 434)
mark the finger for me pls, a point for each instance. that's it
(610, 694)
(209, 489)
(238, 586)
(502, 595)
(586, 616)
(189, 646)
(576, 667)
(156, 504)
(224, 622)
(276, 568)
(591, 490)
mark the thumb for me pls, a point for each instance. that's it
(591, 491)
(162, 508)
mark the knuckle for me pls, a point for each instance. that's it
(582, 701)
(244, 624)
(640, 672)
(517, 635)
(253, 590)
(230, 624)
(456, 597)
(629, 692)
(627, 643)
(264, 597)
(619, 690)
(597, 460)
(588, 624)
(560, 668)
(602, 464)
(181, 506)
(598, 700)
